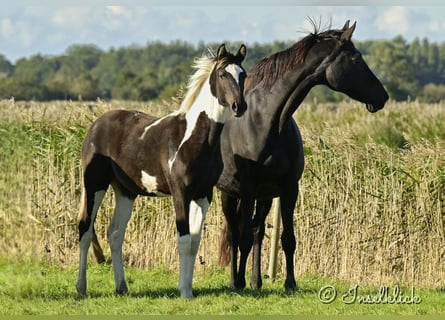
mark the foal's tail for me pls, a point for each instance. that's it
(98, 252)
(224, 247)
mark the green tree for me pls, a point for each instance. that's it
(394, 67)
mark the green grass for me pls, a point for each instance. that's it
(31, 288)
(370, 211)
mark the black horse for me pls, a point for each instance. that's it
(263, 151)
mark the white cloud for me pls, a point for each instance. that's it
(6, 28)
(395, 20)
(71, 17)
(27, 30)
(18, 31)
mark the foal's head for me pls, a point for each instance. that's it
(227, 79)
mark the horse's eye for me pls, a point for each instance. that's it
(357, 57)
(221, 73)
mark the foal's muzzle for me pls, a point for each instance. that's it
(239, 109)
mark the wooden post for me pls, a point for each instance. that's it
(276, 221)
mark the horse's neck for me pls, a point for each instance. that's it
(270, 109)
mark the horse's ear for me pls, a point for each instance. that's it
(221, 51)
(346, 26)
(241, 53)
(347, 34)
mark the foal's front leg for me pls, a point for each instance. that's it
(190, 230)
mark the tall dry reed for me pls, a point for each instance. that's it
(371, 207)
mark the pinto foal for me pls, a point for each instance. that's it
(178, 154)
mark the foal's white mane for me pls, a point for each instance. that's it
(204, 66)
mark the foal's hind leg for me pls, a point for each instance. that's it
(90, 205)
(262, 209)
(116, 233)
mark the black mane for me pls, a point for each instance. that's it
(271, 68)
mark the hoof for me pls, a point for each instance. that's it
(256, 285)
(81, 289)
(122, 289)
(186, 293)
(290, 285)
(240, 283)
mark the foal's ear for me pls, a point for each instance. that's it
(221, 52)
(346, 26)
(241, 53)
(347, 34)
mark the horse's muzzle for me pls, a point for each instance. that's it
(374, 107)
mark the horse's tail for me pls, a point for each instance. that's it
(98, 252)
(97, 249)
(83, 206)
(224, 247)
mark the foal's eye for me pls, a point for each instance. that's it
(221, 74)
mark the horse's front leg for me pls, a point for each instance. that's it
(189, 229)
(262, 209)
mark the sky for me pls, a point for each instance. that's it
(50, 27)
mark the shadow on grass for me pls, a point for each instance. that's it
(173, 293)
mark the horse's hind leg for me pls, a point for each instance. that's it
(230, 207)
(89, 207)
(116, 233)
(246, 238)
(288, 200)
(262, 209)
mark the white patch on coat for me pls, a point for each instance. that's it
(235, 70)
(205, 102)
(149, 182)
(155, 124)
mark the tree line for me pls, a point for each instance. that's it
(409, 70)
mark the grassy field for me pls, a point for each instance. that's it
(371, 212)
(31, 288)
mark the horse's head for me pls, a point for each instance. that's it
(227, 79)
(347, 72)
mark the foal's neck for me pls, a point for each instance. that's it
(206, 102)
(216, 113)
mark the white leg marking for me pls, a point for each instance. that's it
(116, 233)
(85, 242)
(185, 282)
(188, 246)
